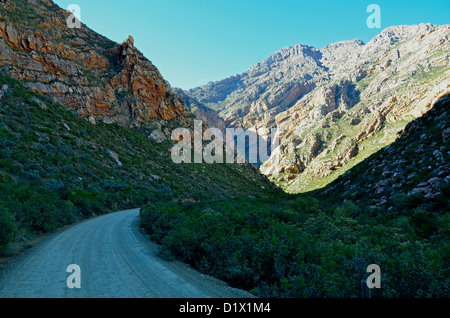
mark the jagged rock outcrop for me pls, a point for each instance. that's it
(82, 70)
(346, 100)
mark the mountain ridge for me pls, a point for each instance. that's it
(326, 102)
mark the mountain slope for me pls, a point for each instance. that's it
(80, 69)
(56, 168)
(335, 106)
(411, 173)
(269, 87)
(391, 210)
(201, 111)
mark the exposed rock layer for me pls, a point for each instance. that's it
(415, 167)
(82, 70)
(329, 105)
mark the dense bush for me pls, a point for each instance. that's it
(289, 247)
(8, 228)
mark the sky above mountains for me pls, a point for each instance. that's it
(193, 42)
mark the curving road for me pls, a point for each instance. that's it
(116, 261)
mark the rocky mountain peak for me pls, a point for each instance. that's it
(350, 44)
(130, 41)
(332, 105)
(290, 52)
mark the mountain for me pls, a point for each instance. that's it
(80, 69)
(83, 128)
(392, 210)
(83, 131)
(335, 106)
(411, 173)
(200, 110)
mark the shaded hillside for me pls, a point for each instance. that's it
(200, 110)
(391, 210)
(412, 174)
(56, 168)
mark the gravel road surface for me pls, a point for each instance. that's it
(116, 261)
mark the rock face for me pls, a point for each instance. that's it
(80, 69)
(201, 111)
(415, 168)
(330, 106)
(264, 90)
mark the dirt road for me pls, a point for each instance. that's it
(115, 261)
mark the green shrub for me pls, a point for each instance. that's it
(88, 202)
(40, 214)
(348, 209)
(402, 201)
(8, 228)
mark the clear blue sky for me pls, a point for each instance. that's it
(193, 42)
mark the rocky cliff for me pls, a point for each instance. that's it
(84, 71)
(412, 172)
(335, 106)
(201, 111)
